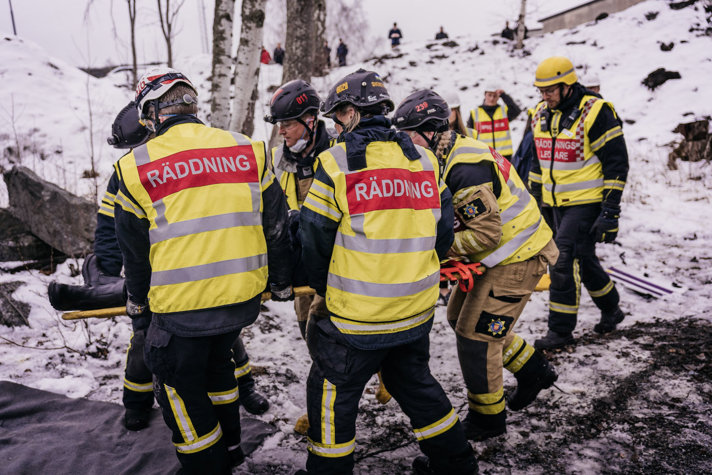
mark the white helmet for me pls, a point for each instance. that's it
(491, 86)
(591, 80)
(155, 83)
(452, 98)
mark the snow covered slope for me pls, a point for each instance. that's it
(635, 401)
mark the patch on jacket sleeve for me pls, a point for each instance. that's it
(493, 325)
(471, 209)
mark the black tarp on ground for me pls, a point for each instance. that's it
(43, 432)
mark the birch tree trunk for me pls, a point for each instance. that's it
(222, 64)
(131, 4)
(520, 26)
(319, 21)
(247, 64)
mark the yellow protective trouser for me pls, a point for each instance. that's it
(484, 319)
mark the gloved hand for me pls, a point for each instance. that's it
(605, 228)
(281, 292)
(136, 310)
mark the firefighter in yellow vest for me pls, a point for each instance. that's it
(580, 174)
(497, 223)
(374, 226)
(199, 219)
(294, 107)
(490, 121)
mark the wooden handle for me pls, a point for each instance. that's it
(118, 311)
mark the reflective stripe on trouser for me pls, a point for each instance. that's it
(138, 380)
(577, 264)
(484, 319)
(336, 381)
(197, 392)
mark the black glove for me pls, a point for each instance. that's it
(281, 292)
(605, 228)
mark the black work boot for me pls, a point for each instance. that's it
(554, 340)
(136, 419)
(536, 374)
(479, 427)
(251, 400)
(609, 320)
(463, 464)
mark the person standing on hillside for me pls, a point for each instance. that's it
(186, 198)
(490, 121)
(580, 173)
(278, 54)
(341, 51)
(395, 35)
(377, 263)
(497, 223)
(441, 35)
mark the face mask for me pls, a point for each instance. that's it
(300, 145)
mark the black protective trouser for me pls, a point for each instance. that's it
(138, 380)
(577, 264)
(196, 389)
(336, 381)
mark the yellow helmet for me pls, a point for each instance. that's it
(555, 70)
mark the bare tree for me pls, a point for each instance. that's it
(521, 28)
(298, 57)
(319, 36)
(222, 63)
(167, 16)
(247, 65)
(131, 4)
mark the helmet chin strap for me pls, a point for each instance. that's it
(432, 143)
(302, 144)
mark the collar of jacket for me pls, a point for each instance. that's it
(175, 120)
(374, 129)
(291, 160)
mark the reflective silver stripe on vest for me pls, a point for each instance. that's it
(326, 209)
(361, 243)
(372, 289)
(208, 223)
(570, 166)
(504, 139)
(326, 192)
(523, 198)
(461, 150)
(339, 154)
(503, 252)
(240, 139)
(141, 155)
(160, 208)
(208, 271)
(128, 204)
(555, 77)
(582, 185)
(413, 321)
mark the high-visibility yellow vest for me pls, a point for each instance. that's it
(524, 232)
(201, 190)
(575, 175)
(384, 271)
(494, 131)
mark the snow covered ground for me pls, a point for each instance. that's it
(636, 401)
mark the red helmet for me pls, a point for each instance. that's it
(155, 83)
